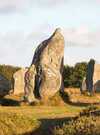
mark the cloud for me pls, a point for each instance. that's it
(81, 36)
(15, 48)
(49, 3)
(8, 6)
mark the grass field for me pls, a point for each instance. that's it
(16, 119)
(76, 97)
(36, 120)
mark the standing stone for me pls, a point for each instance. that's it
(48, 59)
(30, 83)
(19, 83)
(89, 75)
(96, 78)
(83, 86)
(92, 81)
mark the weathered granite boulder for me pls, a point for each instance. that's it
(5, 86)
(48, 59)
(19, 82)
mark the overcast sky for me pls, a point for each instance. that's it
(25, 23)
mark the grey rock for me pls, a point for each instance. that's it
(19, 82)
(30, 84)
(83, 86)
(48, 59)
(93, 77)
(89, 75)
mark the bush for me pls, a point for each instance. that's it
(82, 125)
(92, 109)
(7, 71)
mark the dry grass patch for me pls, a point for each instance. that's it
(16, 124)
(75, 96)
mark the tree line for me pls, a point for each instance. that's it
(72, 75)
(7, 71)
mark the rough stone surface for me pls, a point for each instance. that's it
(89, 75)
(5, 86)
(19, 82)
(96, 77)
(83, 87)
(30, 83)
(48, 59)
(93, 79)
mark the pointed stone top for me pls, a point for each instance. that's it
(57, 33)
(58, 30)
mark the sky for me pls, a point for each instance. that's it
(24, 24)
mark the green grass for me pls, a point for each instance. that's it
(43, 111)
(16, 124)
(26, 119)
(22, 119)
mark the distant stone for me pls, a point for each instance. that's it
(89, 75)
(96, 78)
(19, 82)
(83, 87)
(5, 86)
(92, 81)
(48, 59)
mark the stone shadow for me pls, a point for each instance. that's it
(80, 104)
(47, 126)
(9, 102)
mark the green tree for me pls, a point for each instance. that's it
(73, 76)
(7, 71)
(68, 75)
(79, 73)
